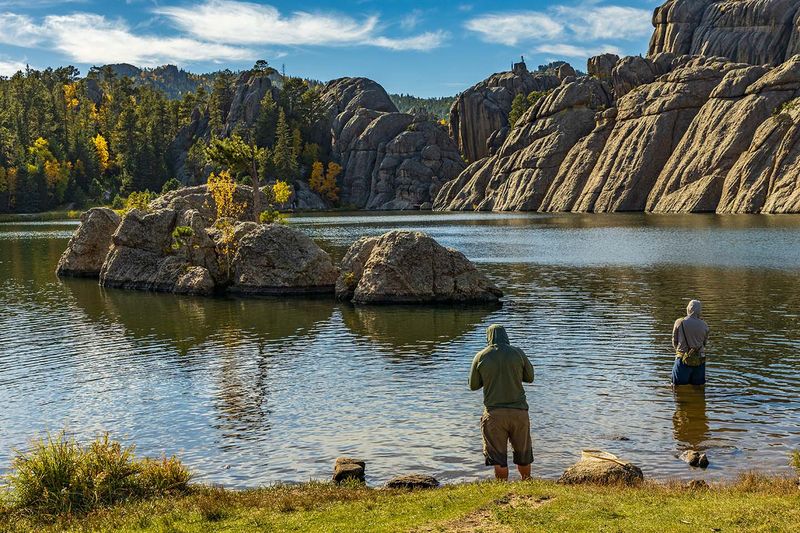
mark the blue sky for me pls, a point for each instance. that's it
(421, 47)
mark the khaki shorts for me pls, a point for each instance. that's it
(501, 425)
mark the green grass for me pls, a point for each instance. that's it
(58, 477)
(753, 503)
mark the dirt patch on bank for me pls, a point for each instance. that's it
(484, 520)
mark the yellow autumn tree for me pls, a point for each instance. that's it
(103, 155)
(281, 192)
(222, 188)
(324, 183)
(71, 95)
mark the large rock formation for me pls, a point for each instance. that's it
(650, 122)
(89, 245)
(410, 267)
(748, 31)
(390, 160)
(662, 134)
(274, 259)
(518, 176)
(483, 109)
(695, 175)
(174, 246)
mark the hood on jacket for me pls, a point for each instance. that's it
(496, 334)
(694, 308)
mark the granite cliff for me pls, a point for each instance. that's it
(700, 125)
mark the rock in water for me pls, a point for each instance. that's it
(410, 267)
(347, 469)
(274, 259)
(602, 472)
(89, 245)
(146, 256)
(412, 481)
(695, 459)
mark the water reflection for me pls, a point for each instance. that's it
(414, 330)
(278, 388)
(690, 422)
(186, 322)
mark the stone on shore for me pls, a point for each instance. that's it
(602, 472)
(410, 267)
(89, 245)
(695, 459)
(347, 469)
(696, 484)
(412, 481)
(274, 259)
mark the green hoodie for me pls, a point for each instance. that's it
(500, 369)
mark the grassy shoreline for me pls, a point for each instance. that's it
(752, 503)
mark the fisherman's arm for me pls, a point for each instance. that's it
(475, 380)
(675, 335)
(527, 369)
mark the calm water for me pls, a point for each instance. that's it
(255, 391)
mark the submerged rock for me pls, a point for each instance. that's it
(410, 267)
(274, 259)
(602, 472)
(695, 459)
(412, 481)
(89, 245)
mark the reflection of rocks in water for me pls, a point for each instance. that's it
(186, 322)
(690, 422)
(414, 329)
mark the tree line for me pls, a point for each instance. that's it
(97, 139)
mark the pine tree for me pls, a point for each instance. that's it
(518, 107)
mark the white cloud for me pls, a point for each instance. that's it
(423, 42)
(245, 23)
(607, 22)
(9, 68)
(90, 38)
(410, 21)
(569, 50)
(512, 28)
(217, 30)
(19, 30)
(579, 23)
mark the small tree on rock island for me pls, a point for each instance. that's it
(241, 158)
(222, 189)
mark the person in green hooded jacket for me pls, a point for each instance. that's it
(500, 369)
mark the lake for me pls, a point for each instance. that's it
(250, 392)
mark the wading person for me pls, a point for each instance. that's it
(689, 338)
(500, 369)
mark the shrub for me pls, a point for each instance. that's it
(795, 461)
(139, 200)
(171, 184)
(59, 476)
(271, 216)
(181, 236)
(118, 203)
